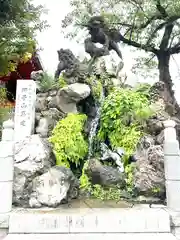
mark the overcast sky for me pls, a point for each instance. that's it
(51, 40)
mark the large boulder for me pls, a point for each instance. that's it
(54, 187)
(103, 175)
(149, 178)
(69, 96)
(33, 157)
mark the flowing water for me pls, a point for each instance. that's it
(94, 125)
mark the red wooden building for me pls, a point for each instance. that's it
(23, 71)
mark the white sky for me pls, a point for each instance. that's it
(51, 40)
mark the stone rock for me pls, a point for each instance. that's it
(53, 92)
(42, 128)
(76, 92)
(47, 121)
(104, 175)
(110, 65)
(160, 138)
(37, 76)
(88, 107)
(154, 126)
(115, 156)
(157, 91)
(149, 179)
(41, 101)
(33, 157)
(145, 142)
(54, 187)
(69, 96)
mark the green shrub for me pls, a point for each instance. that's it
(47, 82)
(123, 113)
(144, 89)
(96, 86)
(85, 183)
(106, 194)
(129, 170)
(62, 81)
(68, 141)
(97, 191)
(5, 109)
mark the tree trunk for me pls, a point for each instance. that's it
(164, 76)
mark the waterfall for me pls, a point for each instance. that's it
(94, 125)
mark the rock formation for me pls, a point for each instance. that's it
(39, 182)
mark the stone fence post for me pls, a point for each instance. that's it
(6, 166)
(172, 165)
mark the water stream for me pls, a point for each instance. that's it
(94, 125)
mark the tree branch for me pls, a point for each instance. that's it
(138, 45)
(175, 49)
(166, 36)
(159, 27)
(161, 9)
(143, 25)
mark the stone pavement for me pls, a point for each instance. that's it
(117, 236)
(91, 221)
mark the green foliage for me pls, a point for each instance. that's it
(68, 141)
(96, 86)
(156, 190)
(97, 191)
(129, 170)
(62, 82)
(85, 183)
(47, 82)
(3, 92)
(122, 116)
(19, 22)
(106, 194)
(144, 89)
(5, 109)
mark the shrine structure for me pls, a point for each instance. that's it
(23, 71)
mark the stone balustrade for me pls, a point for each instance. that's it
(6, 166)
(172, 166)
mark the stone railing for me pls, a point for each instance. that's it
(172, 166)
(6, 166)
(24, 120)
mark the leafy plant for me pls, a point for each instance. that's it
(69, 144)
(129, 170)
(47, 82)
(85, 183)
(5, 108)
(97, 191)
(106, 194)
(143, 88)
(62, 82)
(96, 86)
(123, 113)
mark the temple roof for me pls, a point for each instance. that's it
(24, 70)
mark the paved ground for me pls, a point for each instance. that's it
(160, 236)
(88, 219)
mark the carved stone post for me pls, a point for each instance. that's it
(172, 166)
(6, 166)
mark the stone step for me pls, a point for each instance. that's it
(116, 236)
(91, 221)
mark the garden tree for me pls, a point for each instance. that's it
(149, 25)
(19, 21)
